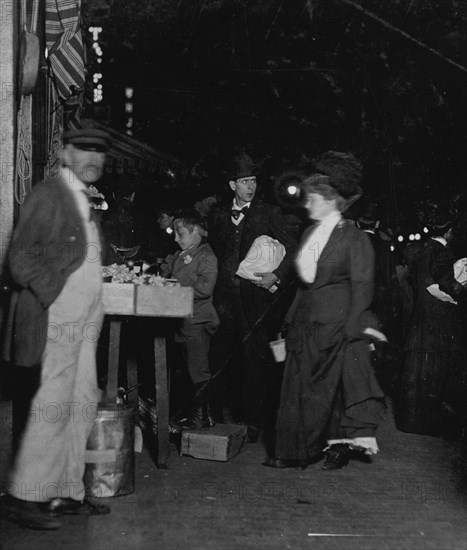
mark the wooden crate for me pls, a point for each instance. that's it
(119, 298)
(164, 301)
(222, 442)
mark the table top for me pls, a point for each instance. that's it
(147, 300)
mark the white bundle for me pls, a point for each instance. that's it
(264, 256)
(460, 274)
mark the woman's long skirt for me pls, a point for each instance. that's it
(330, 393)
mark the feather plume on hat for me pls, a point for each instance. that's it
(341, 171)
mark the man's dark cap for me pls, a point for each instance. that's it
(88, 139)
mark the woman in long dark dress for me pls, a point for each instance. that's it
(330, 395)
(433, 394)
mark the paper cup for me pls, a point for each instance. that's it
(278, 350)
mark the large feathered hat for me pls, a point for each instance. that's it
(343, 172)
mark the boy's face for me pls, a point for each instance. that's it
(184, 237)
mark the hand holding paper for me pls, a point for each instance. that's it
(265, 280)
(264, 256)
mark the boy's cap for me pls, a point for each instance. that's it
(88, 139)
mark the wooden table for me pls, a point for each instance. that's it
(128, 300)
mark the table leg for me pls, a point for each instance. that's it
(162, 402)
(114, 354)
(132, 380)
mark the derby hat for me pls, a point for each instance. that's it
(368, 214)
(88, 139)
(242, 166)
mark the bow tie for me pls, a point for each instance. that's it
(236, 213)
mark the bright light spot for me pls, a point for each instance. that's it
(392, 248)
(99, 86)
(425, 230)
(411, 237)
(129, 122)
(46, 53)
(129, 132)
(400, 238)
(417, 236)
(169, 230)
(99, 60)
(129, 93)
(128, 107)
(95, 45)
(98, 96)
(292, 189)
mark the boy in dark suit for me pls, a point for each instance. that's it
(195, 265)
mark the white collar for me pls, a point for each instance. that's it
(331, 220)
(236, 207)
(190, 249)
(72, 180)
(441, 240)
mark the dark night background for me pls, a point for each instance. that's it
(287, 79)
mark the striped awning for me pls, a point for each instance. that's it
(65, 45)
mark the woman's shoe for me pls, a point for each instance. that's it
(336, 457)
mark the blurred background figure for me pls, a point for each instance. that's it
(386, 304)
(159, 242)
(433, 396)
(122, 232)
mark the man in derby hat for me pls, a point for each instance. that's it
(246, 308)
(55, 262)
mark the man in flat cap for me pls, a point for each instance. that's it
(55, 260)
(246, 308)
